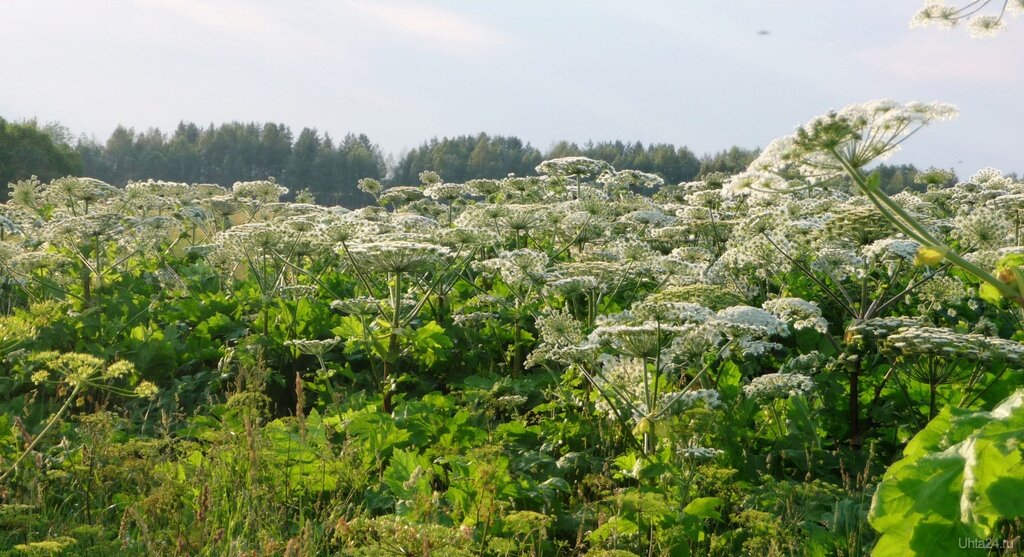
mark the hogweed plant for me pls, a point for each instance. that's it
(402, 273)
(842, 144)
(662, 369)
(318, 349)
(985, 18)
(937, 356)
(78, 372)
(845, 143)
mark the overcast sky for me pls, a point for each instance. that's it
(693, 72)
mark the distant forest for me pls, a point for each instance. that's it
(329, 167)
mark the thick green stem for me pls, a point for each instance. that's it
(853, 368)
(931, 400)
(517, 336)
(907, 224)
(86, 285)
(391, 360)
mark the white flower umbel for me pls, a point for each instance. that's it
(699, 453)
(395, 256)
(982, 229)
(853, 136)
(640, 340)
(936, 356)
(749, 329)
(313, 347)
(753, 181)
(620, 181)
(879, 328)
(778, 385)
(629, 386)
(447, 191)
(750, 320)
(573, 166)
(561, 340)
(799, 313)
(844, 143)
(521, 268)
(985, 17)
(949, 344)
(891, 249)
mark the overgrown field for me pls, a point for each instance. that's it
(587, 361)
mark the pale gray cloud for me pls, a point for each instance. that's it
(436, 27)
(249, 19)
(948, 56)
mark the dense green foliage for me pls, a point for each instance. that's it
(584, 361)
(966, 469)
(26, 150)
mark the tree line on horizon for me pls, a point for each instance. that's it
(329, 168)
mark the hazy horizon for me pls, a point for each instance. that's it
(404, 71)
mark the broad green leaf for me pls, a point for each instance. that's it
(616, 527)
(989, 293)
(704, 507)
(952, 482)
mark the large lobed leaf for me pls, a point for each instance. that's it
(958, 476)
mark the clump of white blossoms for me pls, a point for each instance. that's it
(568, 286)
(518, 268)
(78, 194)
(750, 329)
(982, 229)
(397, 196)
(447, 191)
(672, 311)
(648, 217)
(699, 453)
(806, 364)
(254, 245)
(941, 293)
(358, 305)
(561, 340)
(799, 313)
(981, 23)
(573, 166)
(627, 381)
(949, 344)
(878, 328)
(852, 137)
(623, 180)
(313, 347)
(260, 191)
(890, 250)
(756, 258)
(756, 181)
(778, 385)
(641, 336)
(394, 256)
(839, 263)
(370, 186)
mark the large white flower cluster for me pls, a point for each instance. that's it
(778, 385)
(799, 313)
(863, 133)
(948, 344)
